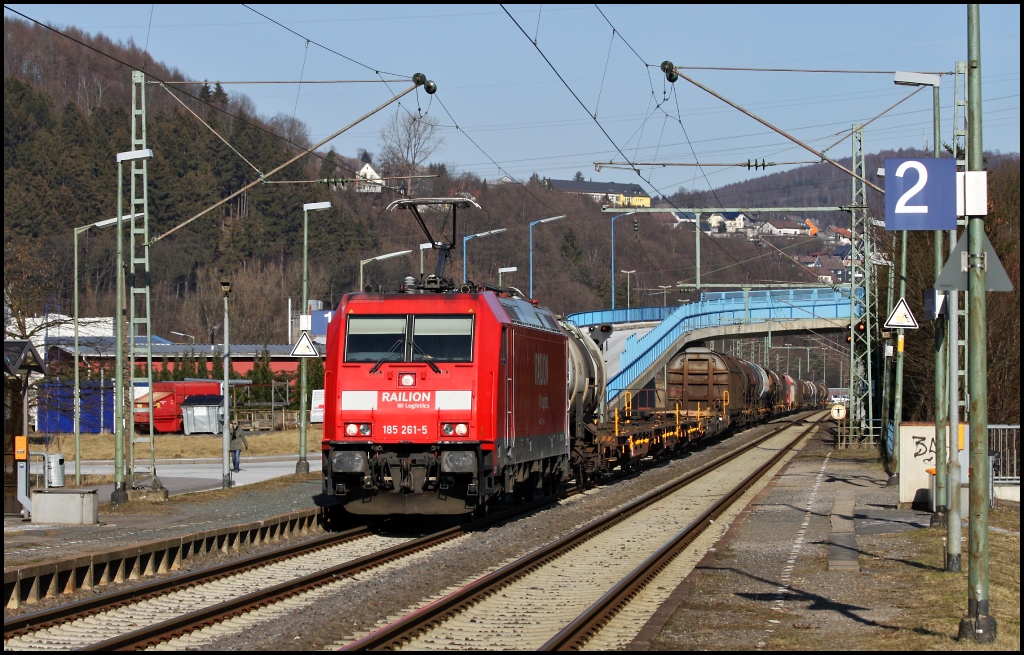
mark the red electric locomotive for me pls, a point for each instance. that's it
(440, 400)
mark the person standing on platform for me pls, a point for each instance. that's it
(238, 441)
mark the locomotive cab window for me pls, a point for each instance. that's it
(442, 338)
(372, 339)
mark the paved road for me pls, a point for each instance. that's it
(188, 476)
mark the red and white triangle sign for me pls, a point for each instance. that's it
(901, 317)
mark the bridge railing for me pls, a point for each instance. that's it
(714, 310)
(634, 315)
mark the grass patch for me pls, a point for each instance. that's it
(904, 600)
(171, 505)
(176, 446)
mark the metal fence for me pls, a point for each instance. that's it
(1005, 441)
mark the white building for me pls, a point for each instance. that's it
(783, 228)
(733, 222)
(369, 180)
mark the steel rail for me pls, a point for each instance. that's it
(401, 632)
(575, 635)
(158, 632)
(35, 621)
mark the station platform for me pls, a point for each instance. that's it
(825, 554)
(265, 488)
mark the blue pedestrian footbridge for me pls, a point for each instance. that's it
(717, 315)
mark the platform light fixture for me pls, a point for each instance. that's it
(543, 220)
(78, 385)
(507, 269)
(473, 236)
(377, 259)
(302, 466)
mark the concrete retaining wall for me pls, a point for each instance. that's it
(27, 584)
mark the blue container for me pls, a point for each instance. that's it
(57, 408)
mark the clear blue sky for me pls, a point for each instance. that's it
(511, 107)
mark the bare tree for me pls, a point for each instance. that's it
(406, 141)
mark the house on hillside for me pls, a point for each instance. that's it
(838, 235)
(844, 254)
(729, 222)
(783, 228)
(368, 180)
(839, 271)
(682, 217)
(612, 194)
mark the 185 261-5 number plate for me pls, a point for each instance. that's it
(406, 430)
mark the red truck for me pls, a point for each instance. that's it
(167, 399)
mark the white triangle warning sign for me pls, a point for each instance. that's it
(305, 347)
(901, 317)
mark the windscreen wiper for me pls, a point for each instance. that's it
(380, 362)
(427, 358)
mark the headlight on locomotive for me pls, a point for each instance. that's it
(458, 461)
(460, 429)
(354, 429)
(348, 461)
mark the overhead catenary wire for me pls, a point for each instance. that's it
(302, 73)
(284, 165)
(158, 80)
(300, 81)
(792, 138)
(798, 70)
(848, 133)
(376, 71)
(215, 132)
(597, 122)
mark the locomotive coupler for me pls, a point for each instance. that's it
(406, 482)
(386, 482)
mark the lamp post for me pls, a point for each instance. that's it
(978, 625)
(543, 220)
(628, 273)
(614, 218)
(226, 466)
(182, 334)
(375, 259)
(120, 495)
(78, 389)
(509, 269)
(664, 294)
(467, 238)
(302, 466)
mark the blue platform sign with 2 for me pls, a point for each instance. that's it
(920, 194)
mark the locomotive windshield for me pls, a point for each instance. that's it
(443, 338)
(375, 338)
(409, 339)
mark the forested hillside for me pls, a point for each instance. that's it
(66, 115)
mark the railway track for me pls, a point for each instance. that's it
(148, 614)
(560, 596)
(168, 609)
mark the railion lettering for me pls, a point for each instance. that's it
(405, 396)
